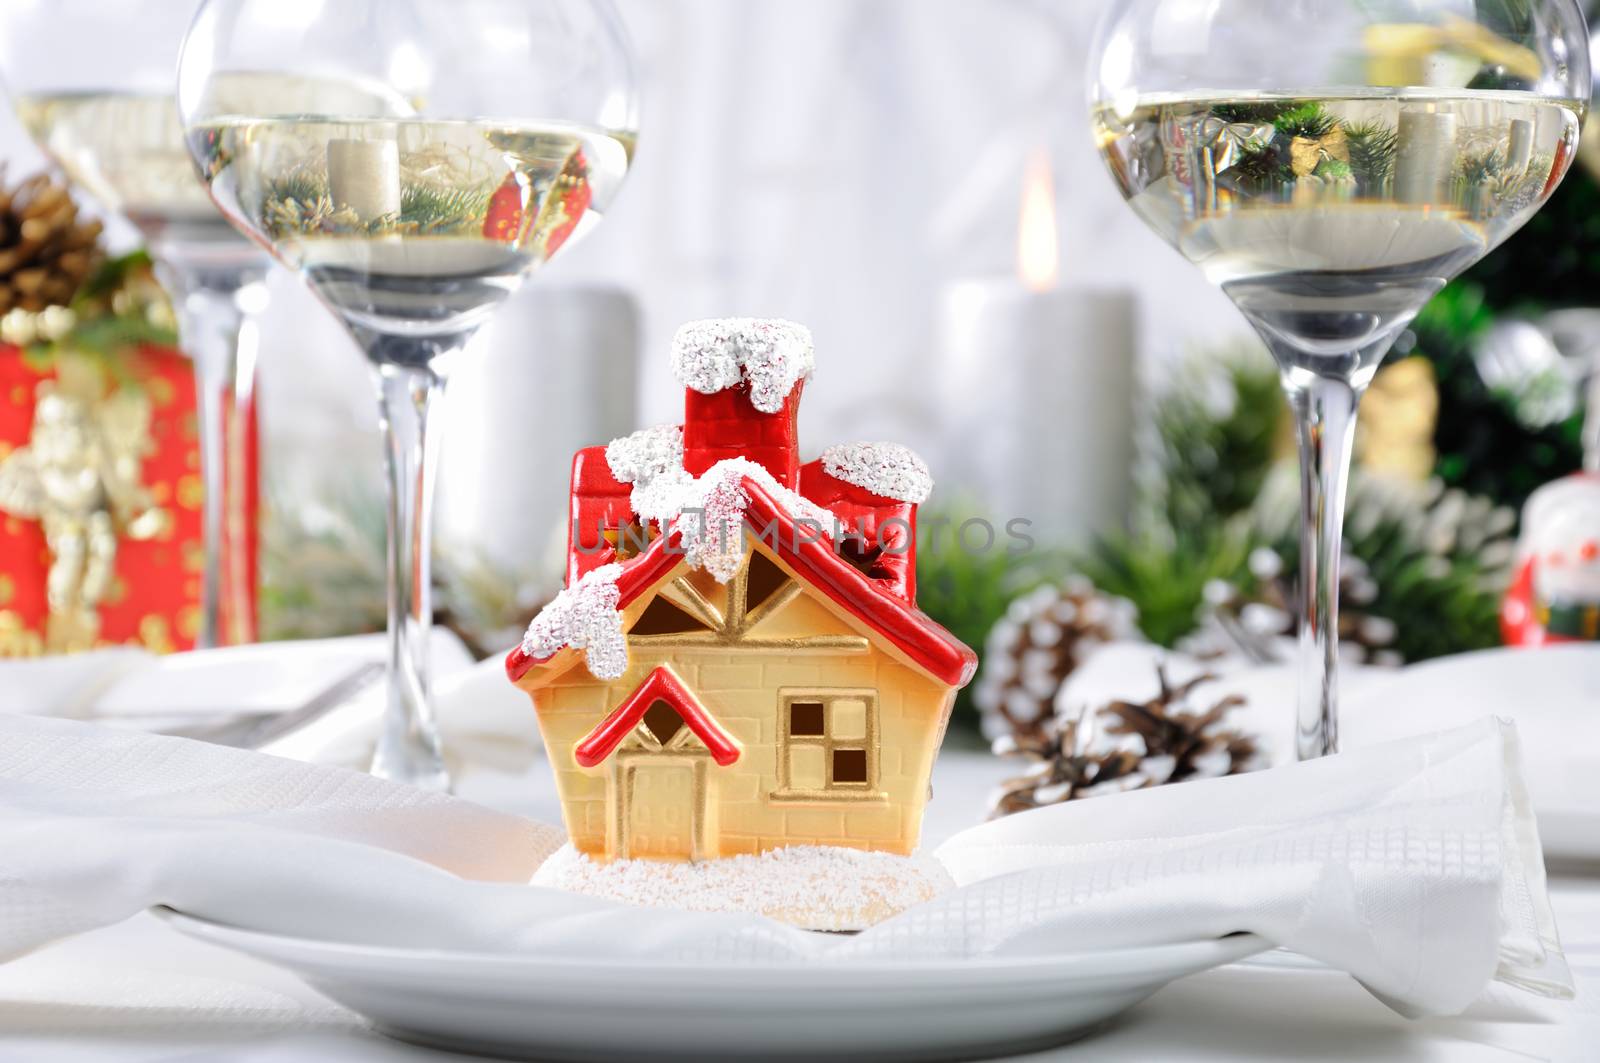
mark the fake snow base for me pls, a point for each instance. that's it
(813, 887)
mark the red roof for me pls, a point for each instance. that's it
(873, 602)
(885, 522)
(660, 685)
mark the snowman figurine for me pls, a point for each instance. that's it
(1555, 597)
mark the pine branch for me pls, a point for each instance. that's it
(301, 203)
(1264, 112)
(1166, 575)
(1306, 120)
(1374, 147)
(1481, 168)
(1437, 561)
(1219, 425)
(435, 209)
(968, 591)
(302, 187)
(1261, 169)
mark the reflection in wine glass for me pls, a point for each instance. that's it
(93, 84)
(432, 154)
(1330, 166)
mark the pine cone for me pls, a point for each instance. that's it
(1265, 621)
(1164, 742)
(46, 250)
(1423, 569)
(1042, 639)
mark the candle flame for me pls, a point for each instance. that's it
(1038, 247)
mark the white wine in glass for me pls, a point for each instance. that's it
(126, 147)
(1331, 220)
(411, 223)
(126, 150)
(1331, 165)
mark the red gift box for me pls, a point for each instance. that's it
(100, 506)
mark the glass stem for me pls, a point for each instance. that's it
(1591, 425)
(213, 309)
(1325, 413)
(411, 384)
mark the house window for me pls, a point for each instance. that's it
(662, 617)
(763, 581)
(663, 722)
(828, 744)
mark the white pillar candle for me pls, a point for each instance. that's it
(364, 176)
(1426, 157)
(1519, 146)
(555, 371)
(1038, 399)
(1039, 385)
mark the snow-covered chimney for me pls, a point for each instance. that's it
(727, 425)
(742, 381)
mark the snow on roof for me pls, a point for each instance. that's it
(646, 454)
(652, 461)
(888, 470)
(585, 616)
(713, 514)
(707, 515)
(770, 355)
(814, 559)
(708, 510)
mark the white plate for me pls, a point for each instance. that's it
(581, 1010)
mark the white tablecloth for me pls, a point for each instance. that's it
(141, 992)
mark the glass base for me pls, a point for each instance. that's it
(411, 760)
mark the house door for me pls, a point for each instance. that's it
(661, 814)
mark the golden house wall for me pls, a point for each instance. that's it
(753, 805)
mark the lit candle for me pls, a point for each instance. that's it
(364, 176)
(1426, 157)
(1038, 386)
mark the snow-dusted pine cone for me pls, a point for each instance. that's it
(1044, 636)
(1263, 623)
(1127, 746)
(1423, 571)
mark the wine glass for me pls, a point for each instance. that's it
(1331, 165)
(93, 83)
(413, 160)
(1589, 152)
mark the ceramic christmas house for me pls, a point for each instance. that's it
(738, 664)
(1556, 594)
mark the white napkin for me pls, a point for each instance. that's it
(1552, 694)
(485, 721)
(1415, 866)
(66, 686)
